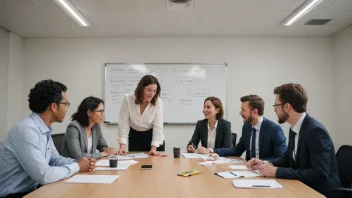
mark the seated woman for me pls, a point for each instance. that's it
(213, 131)
(83, 135)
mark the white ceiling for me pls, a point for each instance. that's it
(150, 18)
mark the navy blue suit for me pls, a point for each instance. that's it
(315, 163)
(272, 142)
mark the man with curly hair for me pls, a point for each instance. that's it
(29, 157)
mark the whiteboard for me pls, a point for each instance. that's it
(184, 87)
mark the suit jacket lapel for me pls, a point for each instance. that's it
(94, 138)
(84, 136)
(205, 135)
(218, 131)
(290, 148)
(261, 136)
(301, 134)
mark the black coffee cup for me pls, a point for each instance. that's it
(113, 161)
(176, 152)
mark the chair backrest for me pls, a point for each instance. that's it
(58, 139)
(234, 137)
(344, 164)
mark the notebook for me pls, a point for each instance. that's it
(271, 184)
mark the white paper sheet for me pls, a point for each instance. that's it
(93, 179)
(191, 155)
(246, 173)
(239, 167)
(226, 175)
(271, 184)
(137, 155)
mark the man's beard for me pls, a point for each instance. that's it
(283, 118)
(248, 120)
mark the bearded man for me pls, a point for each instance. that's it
(261, 138)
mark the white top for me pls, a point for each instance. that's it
(90, 144)
(257, 127)
(296, 129)
(130, 116)
(212, 135)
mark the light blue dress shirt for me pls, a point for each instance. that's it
(29, 158)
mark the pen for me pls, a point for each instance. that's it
(259, 186)
(233, 173)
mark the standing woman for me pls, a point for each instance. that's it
(141, 118)
(213, 131)
(83, 135)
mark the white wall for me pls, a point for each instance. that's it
(255, 65)
(4, 66)
(342, 45)
(16, 96)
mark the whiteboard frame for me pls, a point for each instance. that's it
(168, 123)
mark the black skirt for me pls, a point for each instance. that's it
(141, 141)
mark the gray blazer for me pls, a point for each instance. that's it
(75, 142)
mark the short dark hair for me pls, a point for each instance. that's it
(89, 103)
(255, 102)
(294, 94)
(145, 81)
(217, 104)
(44, 94)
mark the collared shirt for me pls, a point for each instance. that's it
(29, 158)
(130, 116)
(257, 127)
(296, 129)
(212, 135)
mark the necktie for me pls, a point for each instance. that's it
(253, 143)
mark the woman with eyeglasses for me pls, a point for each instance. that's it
(83, 135)
(141, 119)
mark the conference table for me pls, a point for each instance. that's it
(162, 181)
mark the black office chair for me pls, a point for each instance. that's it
(234, 137)
(344, 164)
(58, 139)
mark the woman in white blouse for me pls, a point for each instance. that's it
(141, 118)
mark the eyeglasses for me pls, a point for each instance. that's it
(274, 105)
(99, 111)
(65, 103)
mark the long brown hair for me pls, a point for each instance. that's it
(145, 81)
(217, 104)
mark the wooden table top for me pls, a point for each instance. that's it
(162, 181)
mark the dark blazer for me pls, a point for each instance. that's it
(75, 142)
(315, 163)
(272, 142)
(223, 134)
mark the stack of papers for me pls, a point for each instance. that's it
(93, 179)
(271, 184)
(121, 165)
(237, 174)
